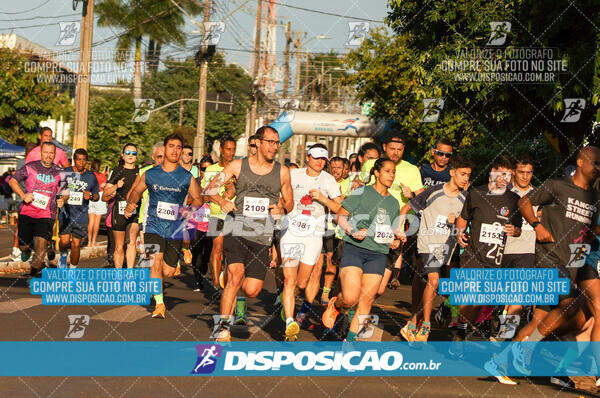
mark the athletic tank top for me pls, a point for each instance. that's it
(254, 195)
(166, 195)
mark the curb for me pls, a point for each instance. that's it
(12, 267)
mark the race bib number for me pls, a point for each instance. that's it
(383, 234)
(302, 225)
(441, 225)
(201, 215)
(122, 205)
(167, 211)
(491, 234)
(256, 207)
(40, 201)
(75, 198)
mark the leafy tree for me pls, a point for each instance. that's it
(397, 69)
(179, 80)
(110, 128)
(27, 97)
(160, 20)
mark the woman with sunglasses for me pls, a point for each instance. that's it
(115, 192)
(369, 217)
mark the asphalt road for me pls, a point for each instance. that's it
(189, 318)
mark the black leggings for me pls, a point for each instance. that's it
(200, 246)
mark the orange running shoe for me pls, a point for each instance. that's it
(330, 314)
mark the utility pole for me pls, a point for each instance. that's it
(255, 83)
(201, 125)
(321, 89)
(286, 65)
(82, 95)
(286, 79)
(298, 45)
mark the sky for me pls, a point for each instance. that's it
(40, 22)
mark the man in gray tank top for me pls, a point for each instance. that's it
(263, 191)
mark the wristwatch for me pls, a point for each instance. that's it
(535, 224)
(353, 231)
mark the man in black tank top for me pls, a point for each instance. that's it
(260, 181)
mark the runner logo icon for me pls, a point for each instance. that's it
(207, 358)
(573, 109)
(77, 325)
(499, 32)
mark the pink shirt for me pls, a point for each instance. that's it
(60, 159)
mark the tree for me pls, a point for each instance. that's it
(110, 128)
(179, 80)
(398, 69)
(27, 97)
(160, 20)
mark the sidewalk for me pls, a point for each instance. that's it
(12, 267)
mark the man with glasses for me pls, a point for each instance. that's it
(264, 190)
(217, 217)
(438, 171)
(187, 159)
(252, 145)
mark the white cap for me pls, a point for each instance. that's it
(318, 153)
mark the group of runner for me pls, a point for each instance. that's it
(360, 219)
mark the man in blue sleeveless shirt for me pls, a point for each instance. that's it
(168, 185)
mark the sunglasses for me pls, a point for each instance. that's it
(127, 153)
(252, 145)
(188, 153)
(442, 153)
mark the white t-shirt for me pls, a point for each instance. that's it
(304, 207)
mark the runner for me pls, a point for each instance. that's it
(116, 190)
(373, 221)
(259, 182)
(73, 217)
(314, 191)
(407, 184)
(252, 145)
(519, 251)
(338, 165)
(168, 185)
(569, 210)
(492, 213)
(217, 218)
(98, 208)
(158, 154)
(187, 158)
(438, 206)
(35, 154)
(201, 243)
(438, 171)
(43, 181)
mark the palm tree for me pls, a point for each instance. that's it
(156, 41)
(159, 19)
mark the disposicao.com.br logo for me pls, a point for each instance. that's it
(298, 360)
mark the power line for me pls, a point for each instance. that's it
(32, 26)
(38, 17)
(327, 13)
(23, 12)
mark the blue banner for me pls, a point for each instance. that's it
(501, 286)
(297, 359)
(95, 286)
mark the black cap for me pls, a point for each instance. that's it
(394, 136)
